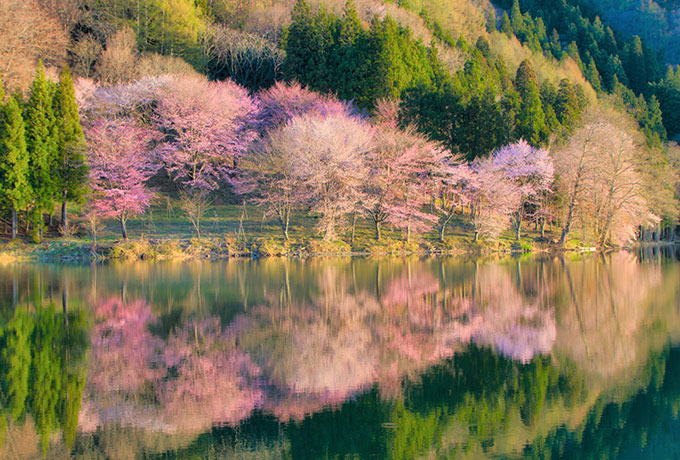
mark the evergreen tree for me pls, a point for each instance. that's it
(516, 19)
(15, 190)
(530, 118)
(506, 26)
(567, 107)
(555, 45)
(305, 46)
(71, 172)
(42, 144)
(593, 76)
(655, 118)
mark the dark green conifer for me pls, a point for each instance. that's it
(42, 144)
(71, 173)
(530, 117)
(15, 191)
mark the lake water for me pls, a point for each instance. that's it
(338, 358)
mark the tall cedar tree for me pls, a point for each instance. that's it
(41, 140)
(530, 118)
(71, 168)
(15, 190)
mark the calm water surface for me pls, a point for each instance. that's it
(394, 358)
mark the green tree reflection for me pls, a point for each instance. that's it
(43, 369)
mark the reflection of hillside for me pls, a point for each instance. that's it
(613, 314)
(398, 356)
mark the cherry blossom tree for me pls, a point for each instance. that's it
(134, 99)
(492, 197)
(401, 174)
(120, 166)
(283, 101)
(207, 130)
(574, 164)
(449, 192)
(327, 159)
(269, 176)
(530, 169)
(413, 183)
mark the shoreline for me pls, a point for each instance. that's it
(221, 249)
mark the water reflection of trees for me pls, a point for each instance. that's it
(43, 369)
(391, 357)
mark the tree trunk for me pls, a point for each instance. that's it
(570, 215)
(283, 222)
(14, 222)
(518, 227)
(442, 231)
(543, 228)
(377, 230)
(605, 231)
(476, 238)
(123, 229)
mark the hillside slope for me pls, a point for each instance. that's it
(657, 22)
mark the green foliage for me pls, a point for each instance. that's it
(480, 109)
(168, 27)
(667, 92)
(335, 54)
(71, 167)
(15, 190)
(16, 362)
(530, 118)
(43, 146)
(43, 366)
(605, 59)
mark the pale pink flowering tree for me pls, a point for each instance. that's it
(327, 161)
(400, 177)
(413, 185)
(491, 196)
(120, 167)
(207, 129)
(283, 101)
(268, 175)
(129, 99)
(448, 193)
(530, 169)
(267, 172)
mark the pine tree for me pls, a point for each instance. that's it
(71, 172)
(15, 190)
(41, 141)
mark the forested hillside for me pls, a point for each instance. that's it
(472, 86)
(655, 21)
